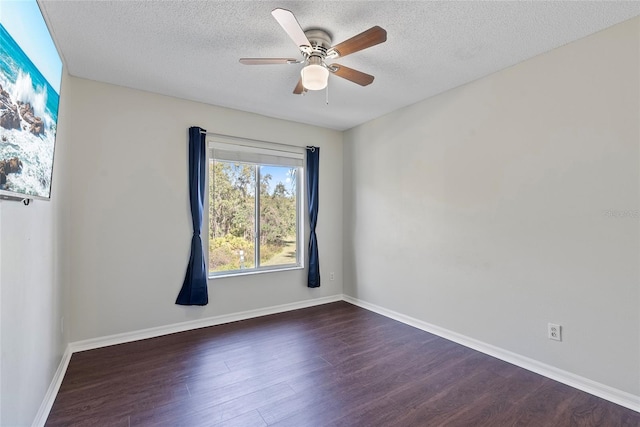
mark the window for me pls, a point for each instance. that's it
(254, 207)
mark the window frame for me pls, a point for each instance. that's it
(257, 147)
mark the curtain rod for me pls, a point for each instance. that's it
(237, 138)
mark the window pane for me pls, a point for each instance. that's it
(278, 219)
(231, 215)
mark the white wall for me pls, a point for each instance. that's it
(131, 228)
(33, 282)
(1, 352)
(497, 207)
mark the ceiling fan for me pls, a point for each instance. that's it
(315, 47)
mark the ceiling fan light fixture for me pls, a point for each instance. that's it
(314, 76)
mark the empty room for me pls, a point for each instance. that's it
(327, 213)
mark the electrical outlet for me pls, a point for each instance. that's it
(332, 276)
(555, 332)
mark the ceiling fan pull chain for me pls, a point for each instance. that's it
(327, 94)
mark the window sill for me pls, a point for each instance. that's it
(252, 272)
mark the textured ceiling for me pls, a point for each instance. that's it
(190, 49)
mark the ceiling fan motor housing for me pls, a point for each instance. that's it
(320, 42)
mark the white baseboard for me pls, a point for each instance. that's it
(611, 394)
(90, 344)
(52, 391)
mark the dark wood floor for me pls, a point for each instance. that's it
(331, 365)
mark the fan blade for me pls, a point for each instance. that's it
(371, 37)
(299, 88)
(363, 79)
(264, 61)
(290, 24)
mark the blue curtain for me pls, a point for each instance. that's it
(313, 164)
(194, 288)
